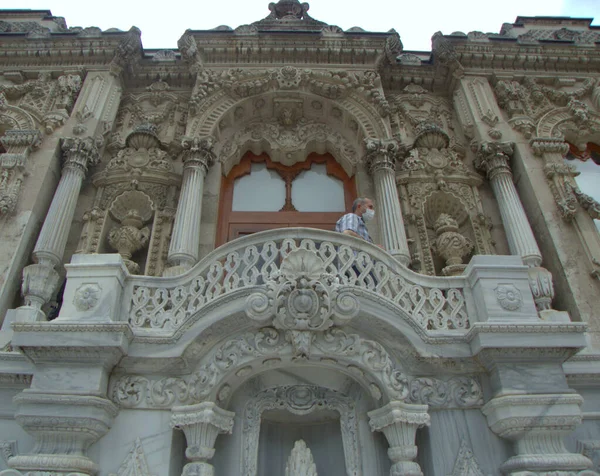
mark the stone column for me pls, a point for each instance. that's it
(201, 424)
(40, 280)
(399, 422)
(381, 160)
(493, 159)
(183, 250)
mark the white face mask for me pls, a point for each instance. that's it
(368, 215)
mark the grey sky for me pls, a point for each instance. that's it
(162, 23)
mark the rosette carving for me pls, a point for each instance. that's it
(301, 299)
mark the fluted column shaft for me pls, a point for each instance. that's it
(493, 158)
(185, 240)
(78, 155)
(381, 156)
(41, 279)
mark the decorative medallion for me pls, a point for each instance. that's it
(509, 297)
(87, 297)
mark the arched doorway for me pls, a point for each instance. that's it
(259, 194)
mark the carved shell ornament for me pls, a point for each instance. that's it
(509, 297)
(302, 299)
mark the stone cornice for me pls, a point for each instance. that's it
(224, 46)
(78, 48)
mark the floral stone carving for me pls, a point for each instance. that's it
(86, 297)
(509, 297)
(300, 462)
(301, 299)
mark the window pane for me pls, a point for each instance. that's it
(588, 180)
(315, 191)
(261, 191)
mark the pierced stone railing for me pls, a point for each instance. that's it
(167, 303)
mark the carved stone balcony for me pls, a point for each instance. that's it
(492, 288)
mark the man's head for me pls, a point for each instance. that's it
(361, 205)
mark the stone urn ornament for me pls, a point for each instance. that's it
(132, 209)
(451, 245)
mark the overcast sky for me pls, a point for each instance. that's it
(163, 23)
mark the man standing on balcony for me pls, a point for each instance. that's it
(354, 224)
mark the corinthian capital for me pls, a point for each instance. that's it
(381, 154)
(80, 153)
(198, 151)
(493, 158)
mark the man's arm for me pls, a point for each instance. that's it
(352, 233)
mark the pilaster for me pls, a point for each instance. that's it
(201, 424)
(381, 160)
(399, 422)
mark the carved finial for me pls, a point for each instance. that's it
(128, 51)
(300, 462)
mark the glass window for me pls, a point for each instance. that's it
(315, 191)
(262, 190)
(586, 163)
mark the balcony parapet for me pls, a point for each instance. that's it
(259, 275)
(249, 263)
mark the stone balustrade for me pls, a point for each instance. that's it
(491, 288)
(250, 262)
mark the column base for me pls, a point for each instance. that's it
(29, 314)
(54, 464)
(406, 468)
(175, 270)
(569, 463)
(198, 469)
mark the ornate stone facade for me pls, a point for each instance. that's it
(140, 338)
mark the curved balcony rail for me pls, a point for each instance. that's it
(165, 304)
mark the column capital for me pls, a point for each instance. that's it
(493, 158)
(399, 422)
(201, 424)
(79, 153)
(382, 154)
(198, 152)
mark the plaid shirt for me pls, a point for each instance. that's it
(353, 222)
